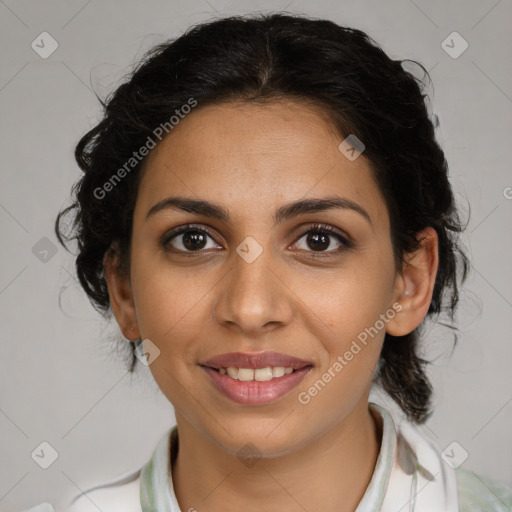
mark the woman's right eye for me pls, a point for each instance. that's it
(188, 239)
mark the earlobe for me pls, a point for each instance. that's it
(120, 293)
(415, 285)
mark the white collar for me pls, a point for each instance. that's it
(409, 476)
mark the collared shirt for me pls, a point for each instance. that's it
(410, 475)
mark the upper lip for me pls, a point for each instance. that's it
(255, 360)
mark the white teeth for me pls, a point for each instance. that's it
(245, 374)
(259, 374)
(278, 371)
(263, 373)
(232, 372)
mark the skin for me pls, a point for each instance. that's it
(252, 159)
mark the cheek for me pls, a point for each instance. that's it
(350, 329)
(169, 300)
(171, 307)
(349, 302)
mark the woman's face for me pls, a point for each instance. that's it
(252, 282)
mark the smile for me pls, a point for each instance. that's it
(259, 374)
(255, 379)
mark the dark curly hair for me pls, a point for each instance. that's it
(340, 70)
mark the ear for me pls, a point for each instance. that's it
(414, 286)
(120, 292)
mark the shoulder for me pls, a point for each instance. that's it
(477, 492)
(123, 494)
(472, 491)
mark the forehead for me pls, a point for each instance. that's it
(255, 156)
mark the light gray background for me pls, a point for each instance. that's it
(61, 381)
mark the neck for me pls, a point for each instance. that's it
(331, 474)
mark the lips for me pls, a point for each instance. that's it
(258, 360)
(229, 374)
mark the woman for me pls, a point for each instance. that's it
(267, 213)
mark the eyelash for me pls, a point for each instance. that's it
(315, 228)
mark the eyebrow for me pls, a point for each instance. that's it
(285, 212)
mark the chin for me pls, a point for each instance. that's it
(264, 438)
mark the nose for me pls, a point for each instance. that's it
(254, 297)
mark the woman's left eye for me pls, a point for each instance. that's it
(319, 238)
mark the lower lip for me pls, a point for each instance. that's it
(255, 392)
